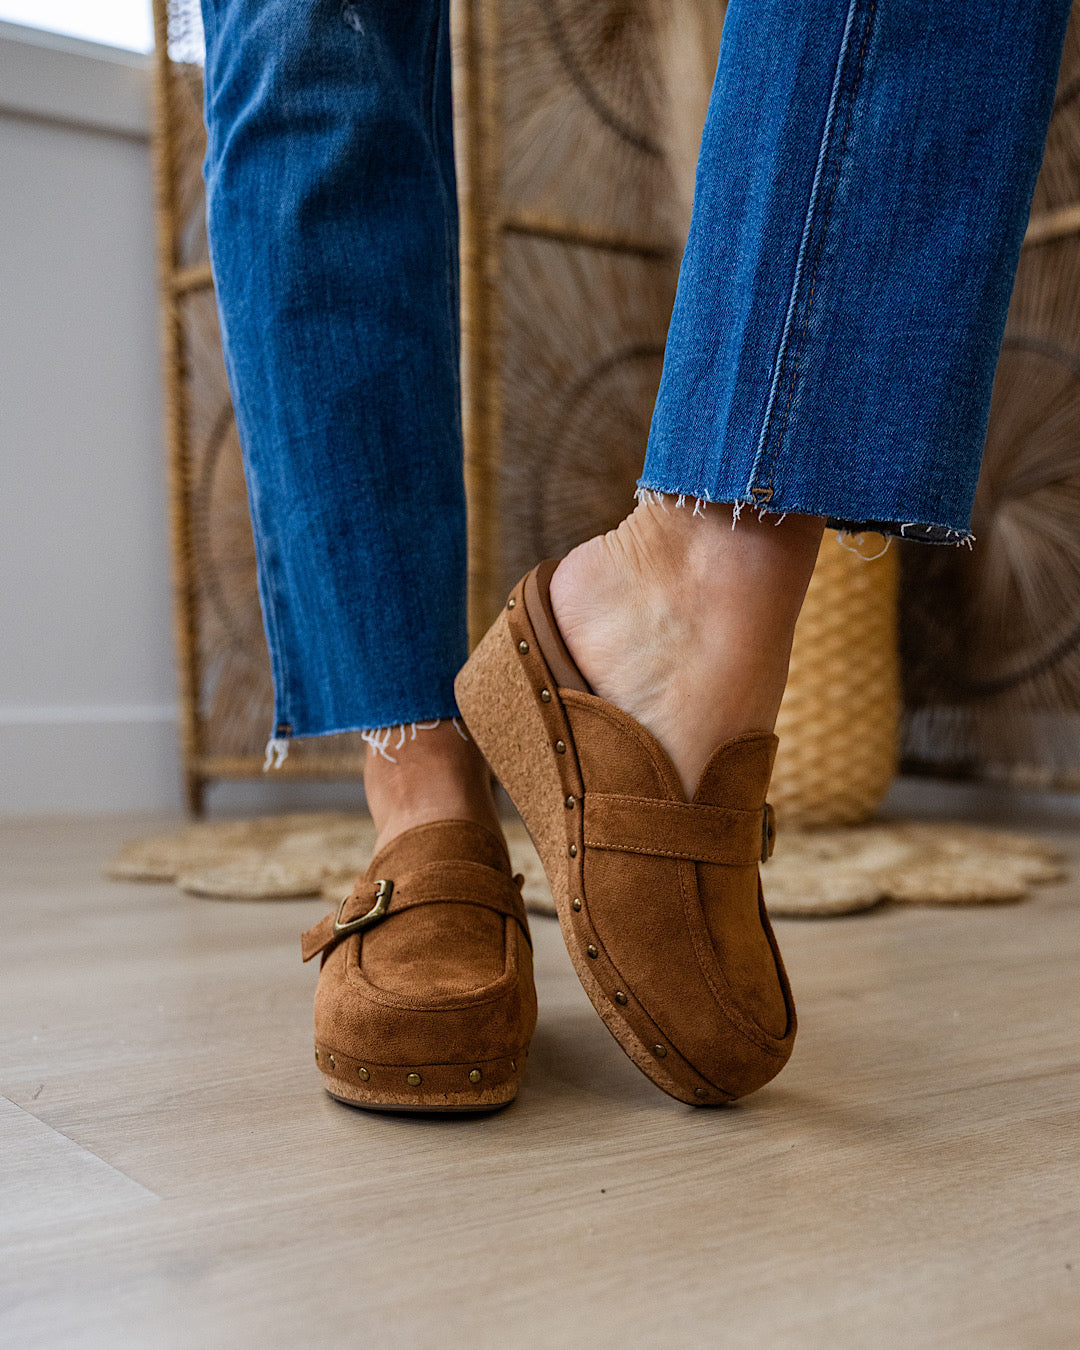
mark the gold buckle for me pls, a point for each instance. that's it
(383, 891)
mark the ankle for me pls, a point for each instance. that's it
(711, 551)
(685, 620)
(706, 577)
(435, 774)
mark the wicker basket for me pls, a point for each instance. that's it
(839, 721)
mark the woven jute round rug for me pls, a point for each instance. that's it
(813, 873)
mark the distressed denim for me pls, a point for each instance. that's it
(865, 176)
(332, 215)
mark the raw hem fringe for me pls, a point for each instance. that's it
(848, 529)
(379, 738)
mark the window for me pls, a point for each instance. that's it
(117, 23)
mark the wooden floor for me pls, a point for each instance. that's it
(172, 1174)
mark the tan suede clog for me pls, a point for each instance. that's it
(659, 899)
(425, 999)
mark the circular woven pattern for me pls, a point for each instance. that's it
(581, 358)
(582, 108)
(839, 718)
(818, 872)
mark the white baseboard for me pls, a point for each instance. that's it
(88, 760)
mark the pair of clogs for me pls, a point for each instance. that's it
(425, 998)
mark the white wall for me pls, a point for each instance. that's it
(87, 694)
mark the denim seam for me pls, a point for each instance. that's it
(283, 723)
(822, 238)
(267, 571)
(268, 597)
(757, 493)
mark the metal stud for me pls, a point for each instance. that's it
(593, 952)
(363, 1075)
(620, 998)
(569, 803)
(575, 904)
(545, 695)
(513, 1064)
(332, 1064)
(659, 1051)
(560, 747)
(474, 1075)
(701, 1092)
(523, 646)
(414, 1080)
(511, 603)
(573, 850)
(316, 1054)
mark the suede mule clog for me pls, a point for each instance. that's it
(425, 999)
(659, 899)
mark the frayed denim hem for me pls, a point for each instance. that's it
(920, 531)
(380, 739)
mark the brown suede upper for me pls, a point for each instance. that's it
(674, 892)
(443, 978)
(667, 908)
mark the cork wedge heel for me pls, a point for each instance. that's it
(659, 899)
(425, 1000)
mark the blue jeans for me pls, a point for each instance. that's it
(865, 178)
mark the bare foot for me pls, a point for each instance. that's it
(686, 623)
(436, 775)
